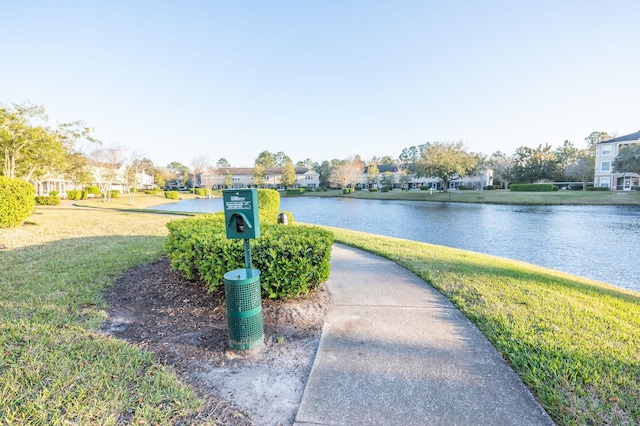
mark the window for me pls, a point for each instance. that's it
(604, 182)
(606, 150)
(605, 166)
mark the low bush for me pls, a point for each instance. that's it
(203, 192)
(490, 187)
(293, 260)
(373, 189)
(384, 189)
(172, 195)
(268, 199)
(296, 191)
(463, 188)
(47, 200)
(115, 193)
(72, 194)
(346, 191)
(597, 188)
(54, 193)
(532, 187)
(93, 190)
(16, 201)
(424, 188)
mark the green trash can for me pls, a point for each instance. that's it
(244, 309)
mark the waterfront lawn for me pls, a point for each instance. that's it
(574, 342)
(499, 196)
(55, 367)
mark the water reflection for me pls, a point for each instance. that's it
(598, 242)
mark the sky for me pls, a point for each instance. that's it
(322, 80)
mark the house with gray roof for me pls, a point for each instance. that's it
(606, 152)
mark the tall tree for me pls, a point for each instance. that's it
(266, 159)
(582, 170)
(373, 173)
(445, 161)
(228, 180)
(628, 159)
(567, 155)
(223, 163)
(258, 175)
(324, 169)
(289, 177)
(502, 165)
(536, 164)
(108, 161)
(199, 165)
(594, 138)
(347, 173)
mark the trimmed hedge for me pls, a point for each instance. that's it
(94, 190)
(296, 191)
(532, 187)
(293, 260)
(268, 199)
(203, 192)
(47, 200)
(17, 199)
(172, 195)
(597, 188)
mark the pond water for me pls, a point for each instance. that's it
(597, 242)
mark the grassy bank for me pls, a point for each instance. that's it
(498, 197)
(574, 342)
(55, 368)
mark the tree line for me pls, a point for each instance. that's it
(34, 151)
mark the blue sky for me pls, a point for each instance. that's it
(325, 79)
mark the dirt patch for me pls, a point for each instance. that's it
(186, 328)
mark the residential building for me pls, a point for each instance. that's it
(606, 152)
(242, 177)
(119, 182)
(413, 182)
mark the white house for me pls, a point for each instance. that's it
(242, 177)
(606, 152)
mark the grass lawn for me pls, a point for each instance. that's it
(55, 368)
(498, 197)
(574, 342)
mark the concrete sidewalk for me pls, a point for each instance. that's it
(394, 351)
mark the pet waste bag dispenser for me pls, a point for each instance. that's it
(242, 286)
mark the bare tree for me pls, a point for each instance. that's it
(200, 164)
(108, 162)
(346, 173)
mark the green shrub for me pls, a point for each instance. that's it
(296, 191)
(268, 199)
(597, 188)
(463, 188)
(346, 191)
(373, 189)
(16, 201)
(172, 195)
(490, 187)
(293, 260)
(203, 192)
(93, 190)
(54, 193)
(384, 189)
(72, 194)
(532, 187)
(115, 193)
(47, 200)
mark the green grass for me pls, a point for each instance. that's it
(574, 342)
(55, 368)
(497, 197)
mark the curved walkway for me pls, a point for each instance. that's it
(394, 351)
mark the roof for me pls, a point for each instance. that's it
(632, 137)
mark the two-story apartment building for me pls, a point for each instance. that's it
(242, 177)
(606, 152)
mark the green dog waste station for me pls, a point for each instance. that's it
(242, 286)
